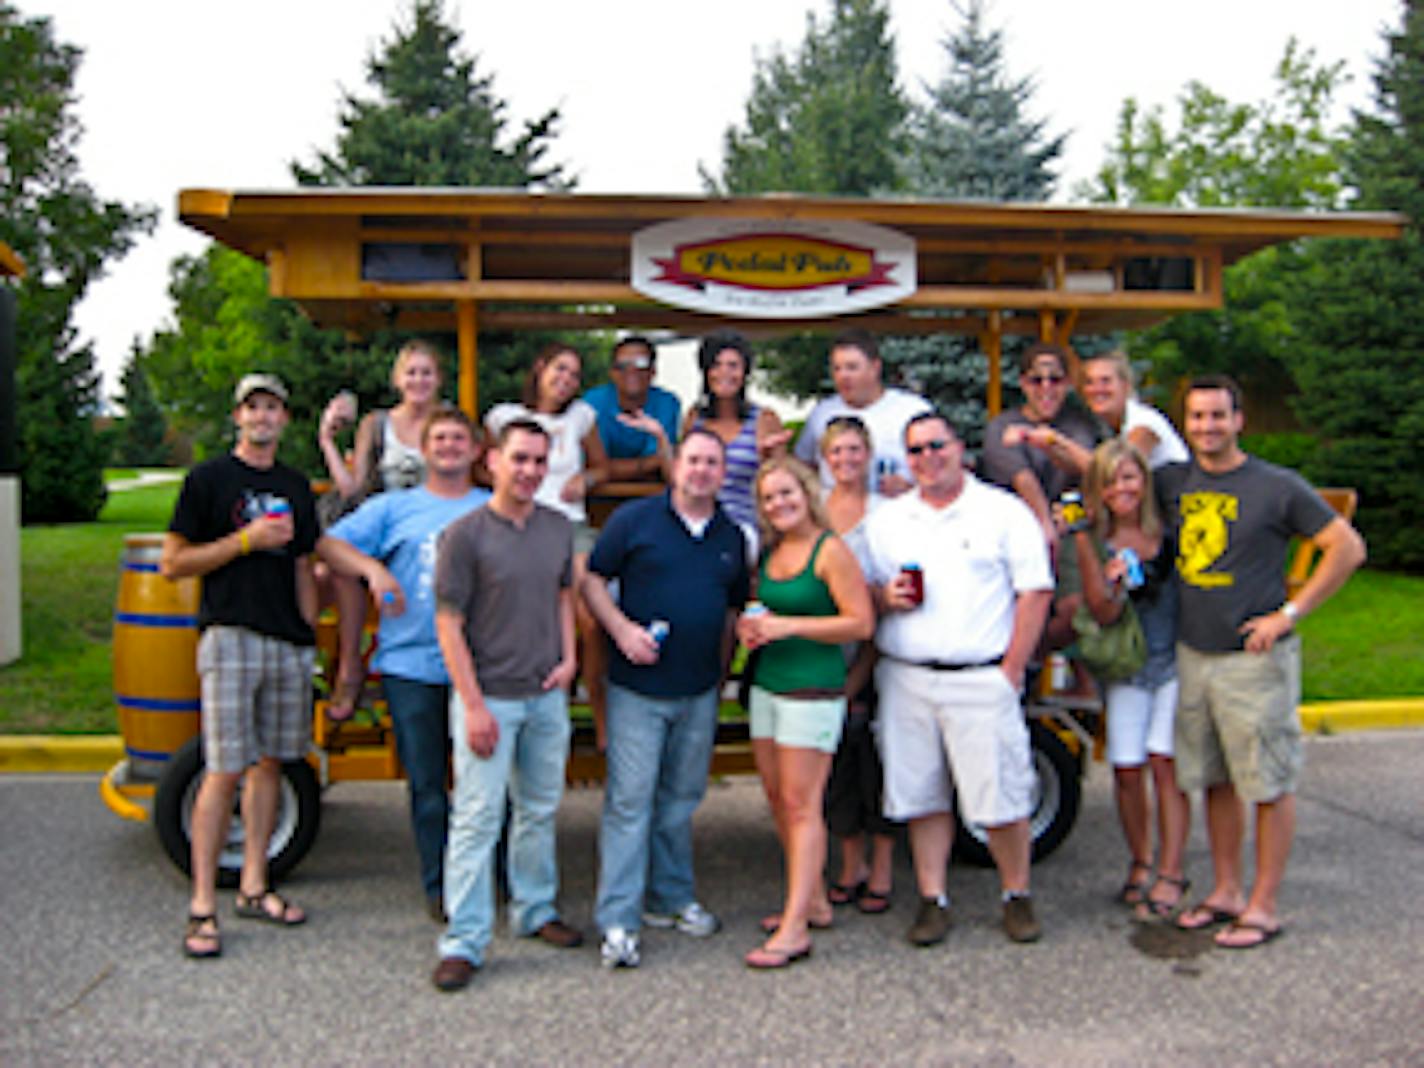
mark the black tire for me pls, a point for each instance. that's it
(1055, 803)
(298, 816)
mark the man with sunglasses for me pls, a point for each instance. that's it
(962, 582)
(637, 420)
(1040, 449)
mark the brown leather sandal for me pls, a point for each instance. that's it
(195, 930)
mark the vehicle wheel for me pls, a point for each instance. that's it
(298, 816)
(1055, 802)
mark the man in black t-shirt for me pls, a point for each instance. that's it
(1238, 660)
(246, 525)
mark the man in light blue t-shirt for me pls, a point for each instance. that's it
(390, 542)
(637, 420)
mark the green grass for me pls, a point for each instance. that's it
(63, 684)
(1368, 641)
(113, 474)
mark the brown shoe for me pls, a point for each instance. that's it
(453, 973)
(559, 934)
(1019, 922)
(931, 924)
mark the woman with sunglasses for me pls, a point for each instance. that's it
(854, 800)
(1121, 555)
(749, 432)
(815, 599)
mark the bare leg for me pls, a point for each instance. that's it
(1010, 846)
(212, 809)
(852, 860)
(1174, 815)
(1130, 790)
(350, 596)
(930, 840)
(802, 775)
(1224, 831)
(260, 791)
(1275, 831)
(882, 864)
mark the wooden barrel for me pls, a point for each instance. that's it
(155, 658)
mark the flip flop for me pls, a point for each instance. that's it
(872, 903)
(1149, 910)
(1267, 934)
(772, 924)
(764, 960)
(845, 893)
(1214, 917)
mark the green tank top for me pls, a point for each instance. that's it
(799, 663)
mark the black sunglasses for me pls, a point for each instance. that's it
(934, 445)
(1044, 380)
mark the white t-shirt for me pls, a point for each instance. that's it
(566, 433)
(977, 555)
(1170, 448)
(885, 419)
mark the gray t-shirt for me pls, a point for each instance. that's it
(505, 581)
(1232, 532)
(1000, 463)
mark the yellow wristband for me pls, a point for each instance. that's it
(244, 542)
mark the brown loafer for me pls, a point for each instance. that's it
(1019, 921)
(559, 934)
(453, 973)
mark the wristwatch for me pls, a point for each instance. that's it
(1291, 612)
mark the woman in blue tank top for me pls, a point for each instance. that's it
(750, 433)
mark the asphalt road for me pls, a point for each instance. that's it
(91, 914)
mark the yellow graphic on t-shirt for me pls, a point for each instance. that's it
(1205, 537)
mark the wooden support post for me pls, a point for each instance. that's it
(991, 340)
(465, 326)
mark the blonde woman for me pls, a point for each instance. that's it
(815, 599)
(1125, 555)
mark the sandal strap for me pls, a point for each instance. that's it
(1180, 882)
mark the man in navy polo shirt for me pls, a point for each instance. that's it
(681, 569)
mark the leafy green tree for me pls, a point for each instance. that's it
(66, 234)
(433, 120)
(1278, 152)
(140, 439)
(825, 119)
(973, 137)
(1360, 313)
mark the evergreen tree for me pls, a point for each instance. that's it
(972, 137)
(140, 440)
(66, 234)
(827, 119)
(433, 120)
(1360, 311)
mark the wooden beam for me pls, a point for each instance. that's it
(991, 340)
(467, 337)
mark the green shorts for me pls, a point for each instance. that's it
(1237, 720)
(797, 722)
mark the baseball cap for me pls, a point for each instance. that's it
(259, 383)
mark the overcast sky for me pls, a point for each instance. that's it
(183, 93)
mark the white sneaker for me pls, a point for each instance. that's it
(692, 920)
(619, 949)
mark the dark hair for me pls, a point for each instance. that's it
(713, 345)
(860, 339)
(448, 413)
(700, 432)
(925, 417)
(515, 426)
(530, 393)
(1043, 348)
(1217, 381)
(636, 339)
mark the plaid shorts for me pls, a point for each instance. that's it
(256, 697)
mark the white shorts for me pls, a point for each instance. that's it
(967, 722)
(1140, 722)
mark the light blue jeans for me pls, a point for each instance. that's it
(527, 766)
(659, 750)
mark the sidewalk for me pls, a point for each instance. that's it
(97, 753)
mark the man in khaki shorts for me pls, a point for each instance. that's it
(1237, 732)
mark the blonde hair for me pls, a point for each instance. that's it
(845, 424)
(1120, 364)
(1105, 461)
(810, 488)
(412, 348)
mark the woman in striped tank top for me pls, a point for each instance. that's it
(750, 433)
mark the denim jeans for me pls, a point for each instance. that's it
(527, 767)
(421, 718)
(659, 750)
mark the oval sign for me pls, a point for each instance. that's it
(773, 269)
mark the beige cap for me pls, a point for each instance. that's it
(259, 383)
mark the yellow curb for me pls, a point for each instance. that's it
(1335, 717)
(59, 752)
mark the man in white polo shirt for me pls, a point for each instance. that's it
(952, 664)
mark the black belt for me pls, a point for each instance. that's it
(944, 665)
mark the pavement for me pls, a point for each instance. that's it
(91, 915)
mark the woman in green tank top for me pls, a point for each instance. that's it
(814, 599)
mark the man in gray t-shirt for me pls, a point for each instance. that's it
(1237, 729)
(505, 622)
